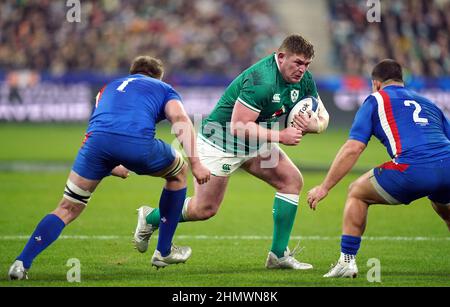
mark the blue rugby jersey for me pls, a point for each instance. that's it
(412, 128)
(131, 106)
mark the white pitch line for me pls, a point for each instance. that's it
(251, 238)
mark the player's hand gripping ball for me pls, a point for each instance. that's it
(308, 105)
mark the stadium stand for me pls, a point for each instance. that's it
(416, 33)
(205, 37)
(309, 18)
(194, 36)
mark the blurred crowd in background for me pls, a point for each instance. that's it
(191, 36)
(415, 32)
(214, 37)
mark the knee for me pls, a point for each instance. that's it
(178, 181)
(291, 184)
(182, 175)
(352, 191)
(204, 209)
(68, 211)
(299, 182)
(207, 212)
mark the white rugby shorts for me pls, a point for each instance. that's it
(223, 164)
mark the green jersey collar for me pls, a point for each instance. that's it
(276, 61)
(278, 67)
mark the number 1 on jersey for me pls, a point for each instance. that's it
(417, 119)
(124, 84)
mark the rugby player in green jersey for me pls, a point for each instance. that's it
(242, 132)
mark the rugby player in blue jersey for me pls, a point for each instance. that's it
(121, 137)
(416, 135)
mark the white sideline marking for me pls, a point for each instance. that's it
(204, 237)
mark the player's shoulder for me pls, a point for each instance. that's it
(151, 82)
(260, 73)
(308, 76)
(307, 80)
(369, 104)
(144, 79)
(410, 94)
(419, 98)
(264, 63)
(371, 99)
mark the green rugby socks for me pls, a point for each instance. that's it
(284, 212)
(154, 218)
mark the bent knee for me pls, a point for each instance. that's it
(182, 175)
(68, 210)
(205, 209)
(354, 189)
(180, 178)
(300, 182)
(207, 212)
(292, 184)
(351, 188)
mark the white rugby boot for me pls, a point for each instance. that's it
(17, 271)
(178, 254)
(345, 267)
(287, 261)
(143, 230)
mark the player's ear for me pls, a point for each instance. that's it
(281, 57)
(376, 86)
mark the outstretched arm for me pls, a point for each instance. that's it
(185, 133)
(346, 158)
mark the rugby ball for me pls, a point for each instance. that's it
(303, 106)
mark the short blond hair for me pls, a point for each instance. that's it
(296, 44)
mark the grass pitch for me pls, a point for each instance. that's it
(411, 243)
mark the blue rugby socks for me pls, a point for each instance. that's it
(349, 247)
(154, 218)
(170, 207)
(46, 232)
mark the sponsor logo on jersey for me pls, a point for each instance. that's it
(276, 98)
(294, 95)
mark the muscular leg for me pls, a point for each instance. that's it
(207, 199)
(51, 226)
(68, 210)
(443, 211)
(361, 195)
(170, 206)
(288, 181)
(284, 176)
(203, 205)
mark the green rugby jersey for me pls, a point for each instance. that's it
(260, 88)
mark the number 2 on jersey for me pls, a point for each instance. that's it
(417, 119)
